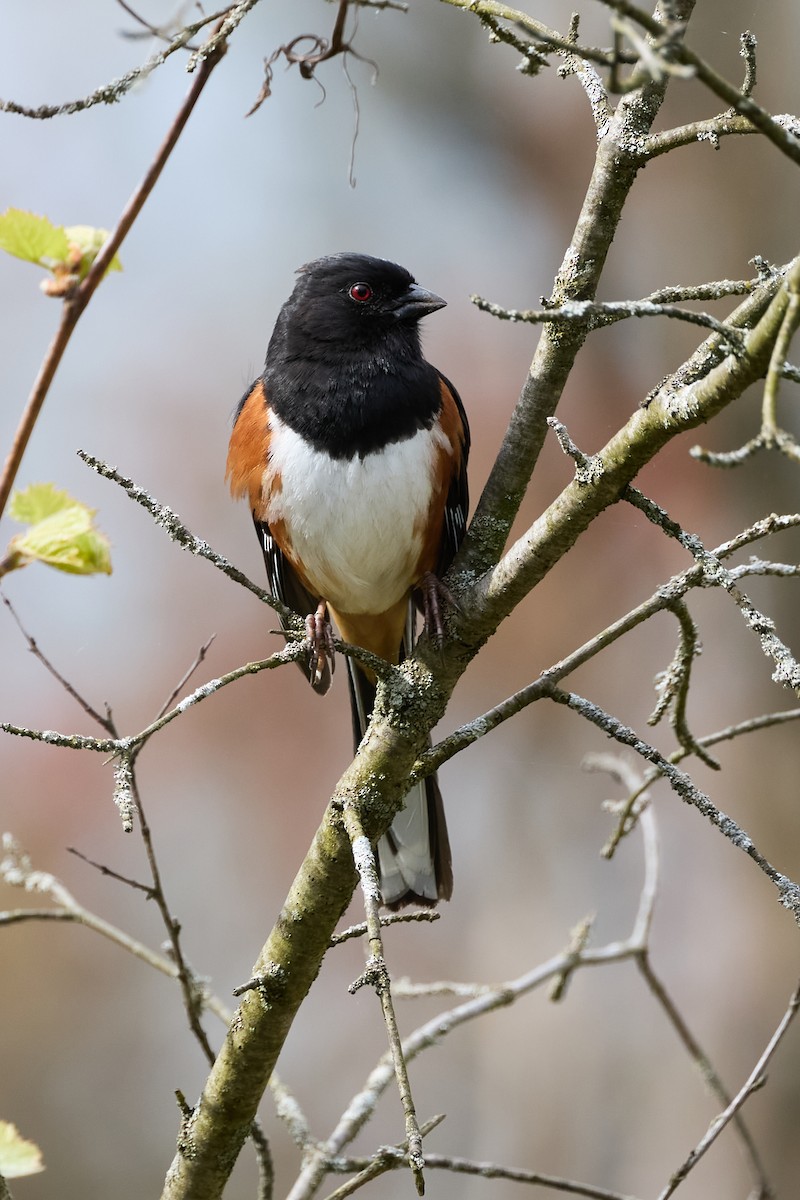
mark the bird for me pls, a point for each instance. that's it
(352, 451)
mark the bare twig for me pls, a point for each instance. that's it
(787, 668)
(377, 975)
(104, 721)
(200, 657)
(672, 686)
(788, 890)
(751, 1084)
(307, 51)
(111, 93)
(390, 1158)
(482, 999)
(104, 870)
(770, 436)
(594, 315)
(387, 1158)
(17, 870)
(661, 599)
(490, 1170)
(171, 522)
(127, 745)
(707, 1071)
(753, 725)
(624, 773)
(386, 919)
(128, 800)
(550, 41)
(231, 19)
(739, 100)
(164, 33)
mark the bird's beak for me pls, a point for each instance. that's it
(416, 303)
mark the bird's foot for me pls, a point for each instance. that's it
(320, 638)
(434, 594)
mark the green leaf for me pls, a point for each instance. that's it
(38, 501)
(67, 253)
(18, 1156)
(90, 242)
(33, 238)
(61, 533)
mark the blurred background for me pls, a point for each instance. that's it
(472, 176)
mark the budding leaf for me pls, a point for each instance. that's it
(61, 533)
(38, 501)
(18, 1156)
(89, 241)
(67, 252)
(33, 238)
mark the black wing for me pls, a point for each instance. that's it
(457, 504)
(285, 586)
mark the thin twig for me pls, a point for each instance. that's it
(430, 760)
(388, 1158)
(111, 93)
(636, 784)
(739, 100)
(200, 657)
(595, 314)
(770, 436)
(550, 40)
(76, 302)
(17, 870)
(490, 1170)
(707, 1071)
(752, 725)
(169, 520)
(104, 721)
(126, 745)
(104, 870)
(787, 668)
(386, 919)
(482, 999)
(788, 890)
(161, 32)
(231, 19)
(751, 1084)
(128, 800)
(377, 975)
(192, 989)
(294, 626)
(672, 686)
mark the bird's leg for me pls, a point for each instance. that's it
(434, 592)
(320, 637)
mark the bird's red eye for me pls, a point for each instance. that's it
(360, 292)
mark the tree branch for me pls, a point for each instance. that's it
(616, 165)
(675, 408)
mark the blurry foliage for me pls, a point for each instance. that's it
(61, 533)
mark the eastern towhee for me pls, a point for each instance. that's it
(352, 451)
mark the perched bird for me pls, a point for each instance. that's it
(352, 451)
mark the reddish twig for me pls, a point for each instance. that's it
(78, 299)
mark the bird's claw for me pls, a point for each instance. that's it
(433, 592)
(320, 639)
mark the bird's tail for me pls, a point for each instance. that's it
(414, 860)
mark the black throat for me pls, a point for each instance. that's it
(350, 399)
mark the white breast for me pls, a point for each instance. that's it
(355, 525)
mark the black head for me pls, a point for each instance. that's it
(355, 298)
(344, 366)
